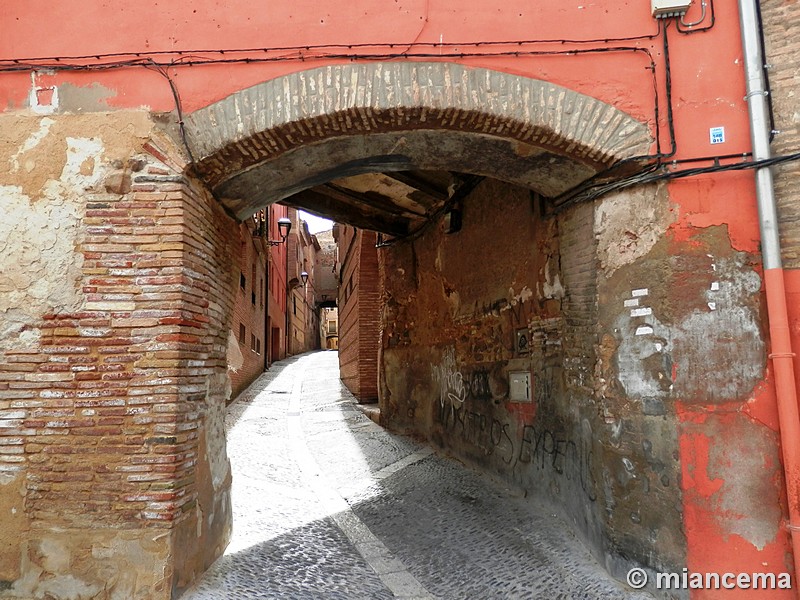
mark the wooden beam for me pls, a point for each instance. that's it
(411, 180)
(363, 217)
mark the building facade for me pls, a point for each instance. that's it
(246, 339)
(302, 312)
(359, 312)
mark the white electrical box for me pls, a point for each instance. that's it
(663, 9)
(519, 387)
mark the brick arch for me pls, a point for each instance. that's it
(276, 138)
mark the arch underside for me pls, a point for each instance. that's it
(302, 139)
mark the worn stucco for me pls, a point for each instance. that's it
(121, 565)
(113, 474)
(51, 163)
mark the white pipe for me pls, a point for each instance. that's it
(781, 355)
(760, 132)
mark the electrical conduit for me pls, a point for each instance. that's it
(782, 356)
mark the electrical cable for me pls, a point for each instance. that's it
(310, 47)
(178, 109)
(691, 30)
(162, 67)
(765, 72)
(17, 66)
(464, 190)
(704, 6)
(650, 177)
(659, 156)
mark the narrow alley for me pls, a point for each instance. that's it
(327, 504)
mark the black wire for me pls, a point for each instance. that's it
(467, 186)
(668, 86)
(178, 109)
(17, 65)
(308, 48)
(650, 177)
(765, 72)
(161, 67)
(691, 30)
(652, 161)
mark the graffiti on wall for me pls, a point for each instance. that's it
(486, 433)
(536, 447)
(543, 449)
(456, 385)
(452, 391)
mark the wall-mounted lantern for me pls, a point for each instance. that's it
(284, 227)
(304, 278)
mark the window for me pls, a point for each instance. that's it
(242, 280)
(294, 305)
(331, 326)
(253, 297)
(242, 333)
(252, 342)
(258, 346)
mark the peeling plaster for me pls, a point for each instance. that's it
(39, 268)
(551, 287)
(219, 390)
(628, 225)
(51, 167)
(33, 141)
(711, 354)
(741, 491)
(86, 564)
(235, 358)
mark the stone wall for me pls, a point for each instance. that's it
(644, 342)
(516, 290)
(113, 379)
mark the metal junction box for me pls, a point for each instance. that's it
(519, 387)
(663, 9)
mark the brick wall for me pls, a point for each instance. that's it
(277, 287)
(112, 406)
(781, 21)
(249, 311)
(519, 289)
(359, 316)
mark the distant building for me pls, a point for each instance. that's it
(359, 311)
(302, 316)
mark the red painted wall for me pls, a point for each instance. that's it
(620, 77)
(277, 286)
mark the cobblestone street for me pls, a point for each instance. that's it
(327, 504)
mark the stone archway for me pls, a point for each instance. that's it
(274, 140)
(118, 391)
(277, 138)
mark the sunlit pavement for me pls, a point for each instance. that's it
(327, 504)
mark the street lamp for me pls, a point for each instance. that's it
(284, 227)
(304, 278)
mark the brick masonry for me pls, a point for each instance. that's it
(246, 338)
(599, 439)
(781, 20)
(319, 106)
(112, 386)
(113, 450)
(359, 312)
